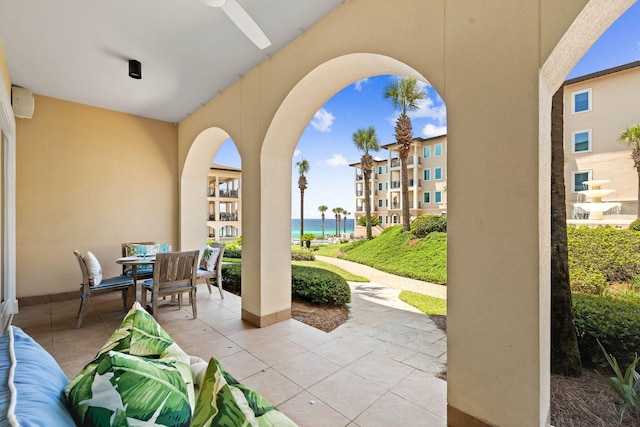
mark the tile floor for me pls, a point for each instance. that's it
(377, 369)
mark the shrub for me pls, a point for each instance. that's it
(625, 385)
(302, 255)
(319, 286)
(425, 224)
(590, 282)
(611, 252)
(232, 252)
(307, 283)
(613, 322)
(231, 278)
(635, 225)
(362, 221)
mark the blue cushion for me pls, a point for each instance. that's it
(39, 383)
(114, 282)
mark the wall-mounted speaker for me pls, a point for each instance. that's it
(22, 102)
(135, 69)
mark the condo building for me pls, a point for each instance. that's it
(427, 173)
(597, 108)
(224, 202)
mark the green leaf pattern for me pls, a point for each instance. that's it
(222, 401)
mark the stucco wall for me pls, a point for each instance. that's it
(4, 70)
(89, 178)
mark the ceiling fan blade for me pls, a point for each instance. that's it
(242, 19)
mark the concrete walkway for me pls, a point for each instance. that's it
(387, 280)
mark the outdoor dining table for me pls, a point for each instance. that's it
(134, 262)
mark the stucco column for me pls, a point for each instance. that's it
(497, 223)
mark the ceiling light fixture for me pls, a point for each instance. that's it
(242, 19)
(135, 69)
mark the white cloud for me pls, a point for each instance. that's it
(431, 130)
(322, 120)
(336, 160)
(296, 153)
(358, 85)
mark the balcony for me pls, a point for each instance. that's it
(230, 194)
(358, 177)
(395, 184)
(359, 193)
(224, 216)
(395, 163)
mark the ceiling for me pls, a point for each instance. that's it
(78, 50)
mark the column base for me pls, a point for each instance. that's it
(457, 418)
(266, 320)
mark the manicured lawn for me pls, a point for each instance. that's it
(319, 264)
(328, 250)
(424, 303)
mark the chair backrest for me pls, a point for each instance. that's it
(173, 269)
(220, 246)
(85, 272)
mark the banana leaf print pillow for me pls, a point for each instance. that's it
(223, 401)
(125, 390)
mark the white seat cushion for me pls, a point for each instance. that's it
(93, 268)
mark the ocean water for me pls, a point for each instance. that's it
(314, 226)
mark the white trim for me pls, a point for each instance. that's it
(573, 101)
(435, 175)
(8, 129)
(435, 153)
(573, 178)
(589, 141)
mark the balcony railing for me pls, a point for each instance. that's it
(411, 183)
(359, 193)
(411, 162)
(360, 208)
(224, 216)
(395, 184)
(229, 194)
(358, 177)
(212, 217)
(395, 163)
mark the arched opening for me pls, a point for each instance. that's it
(199, 191)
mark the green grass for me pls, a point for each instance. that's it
(397, 252)
(319, 264)
(328, 250)
(424, 303)
(233, 260)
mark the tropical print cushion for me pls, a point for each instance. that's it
(142, 338)
(223, 401)
(125, 390)
(136, 249)
(209, 258)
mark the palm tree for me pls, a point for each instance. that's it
(631, 137)
(565, 355)
(366, 140)
(337, 212)
(322, 209)
(405, 94)
(303, 168)
(345, 214)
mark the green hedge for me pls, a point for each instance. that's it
(307, 283)
(615, 323)
(425, 224)
(608, 252)
(319, 286)
(233, 253)
(302, 255)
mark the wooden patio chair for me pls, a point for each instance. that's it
(207, 276)
(173, 274)
(121, 283)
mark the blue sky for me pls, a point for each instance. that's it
(327, 142)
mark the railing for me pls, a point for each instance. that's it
(358, 177)
(395, 205)
(395, 163)
(229, 193)
(411, 183)
(211, 193)
(228, 216)
(360, 208)
(212, 217)
(359, 193)
(410, 161)
(395, 184)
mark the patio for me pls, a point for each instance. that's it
(376, 369)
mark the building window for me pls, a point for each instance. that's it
(582, 141)
(579, 177)
(380, 219)
(437, 174)
(386, 220)
(386, 169)
(380, 186)
(437, 197)
(437, 150)
(386, 185)
(581, 101)
(379, 169)
(395, 219)
(427, 152)
(426, 197)
(380, 203)
(427, 174)
(386, 202)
